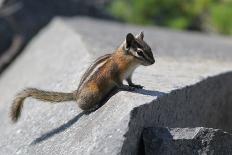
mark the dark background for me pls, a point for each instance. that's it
(21, 20)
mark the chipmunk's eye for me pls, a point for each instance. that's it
(140, 53)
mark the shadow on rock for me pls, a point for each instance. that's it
(190, 141)
(72, 121)
(57, 130)
(149, 92)
(77, 117)
(204, 104)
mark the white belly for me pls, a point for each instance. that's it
(129, 72)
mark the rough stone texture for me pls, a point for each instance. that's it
(59, 55)
(25, 18)
(191, 141)
(6, 34)
(185, 46)
(203, 104)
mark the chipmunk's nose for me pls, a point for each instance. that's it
(151, 57)
(153, 61)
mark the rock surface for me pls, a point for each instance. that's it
(186, 141)
(59, 55)
(206, 104)
(21, 20)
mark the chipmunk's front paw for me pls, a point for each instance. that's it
(136, 86)
(126, 88)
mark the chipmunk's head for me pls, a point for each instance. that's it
(138, 48)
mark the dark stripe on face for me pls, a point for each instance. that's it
(141, 53)
(147, 53)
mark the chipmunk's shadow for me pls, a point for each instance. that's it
(65, 126)
(148, 92)
(68, 124)
(57, 130)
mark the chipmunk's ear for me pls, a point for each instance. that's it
(140, 35)
(129, 40)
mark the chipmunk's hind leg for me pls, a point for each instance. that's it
(88, 101)
(104, 99)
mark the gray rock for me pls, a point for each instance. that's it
(191, 141)
(59, 55)
(205, 104)
(6, 34)
(185, 46)
(24, 19)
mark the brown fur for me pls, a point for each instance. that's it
(104, 75)
(17, 105)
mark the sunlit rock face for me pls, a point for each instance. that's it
(189, 86)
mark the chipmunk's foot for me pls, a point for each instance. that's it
(136, 86)
(126, 88)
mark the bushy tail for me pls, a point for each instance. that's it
(17, 105)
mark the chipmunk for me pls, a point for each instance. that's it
(105, 74)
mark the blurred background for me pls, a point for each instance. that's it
(48, 44)
(21, 20)
(211, 16)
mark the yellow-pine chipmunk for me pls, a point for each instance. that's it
(105, 74)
